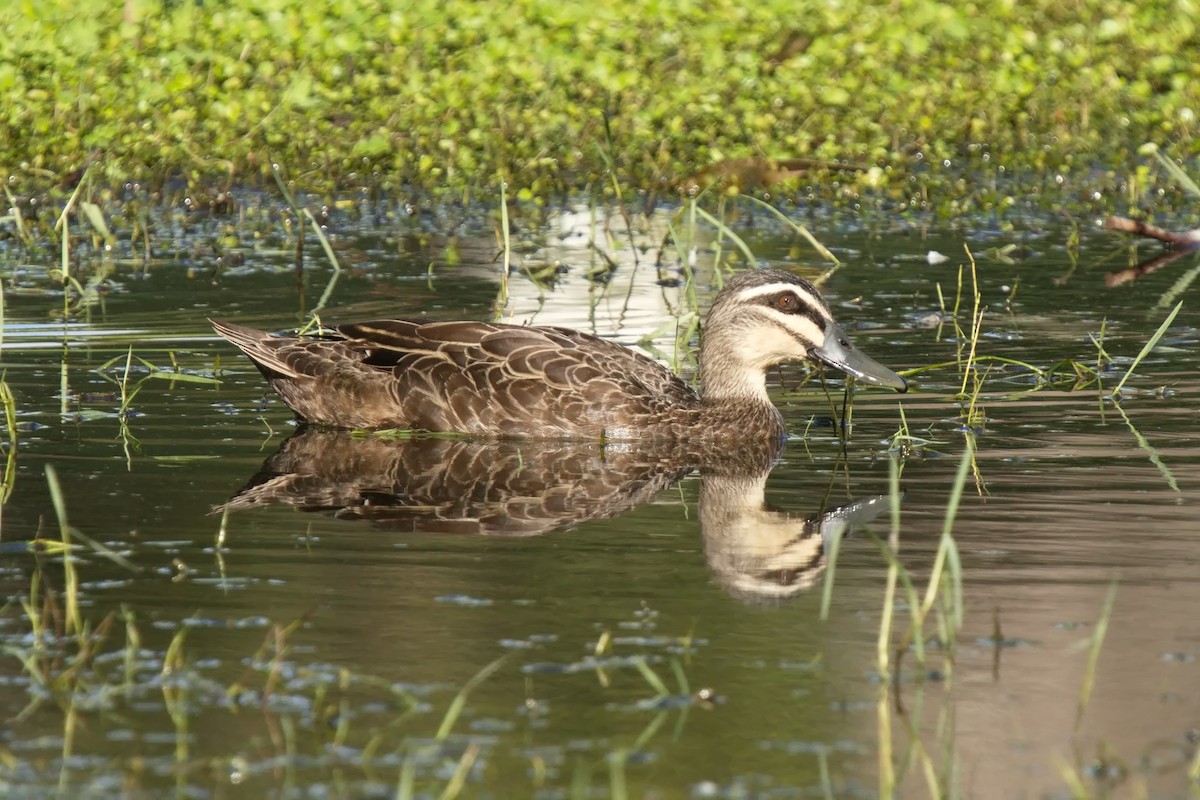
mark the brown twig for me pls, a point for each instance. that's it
(1189, 240)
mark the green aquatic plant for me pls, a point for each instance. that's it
(9, 479)
(446, 95)
(943, 594)
(1150, 344)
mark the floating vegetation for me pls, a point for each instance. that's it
(214, 96)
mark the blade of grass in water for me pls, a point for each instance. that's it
(323, 240)
(460, 699)
(652, 678)
(798, 228)
(1089, 676)
(459, 778)
(1178, 287)
(501, 302)
(74, 616)
(1158, 334)
(96, 217)
(1151, 451)
(1177, 174)
(831, 558)
(944, 554)
(751, 261)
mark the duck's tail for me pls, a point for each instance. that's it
(261, 347)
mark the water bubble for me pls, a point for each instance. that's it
(1059, 179)
(945, 162)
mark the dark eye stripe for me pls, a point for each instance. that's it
(804, 309)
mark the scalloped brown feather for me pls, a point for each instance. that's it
(471, 377)
(493, 380)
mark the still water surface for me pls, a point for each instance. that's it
(362, 583)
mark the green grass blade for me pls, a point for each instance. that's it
(96, 217)
(1158, 334)
(1180, 286)
(459, 779)
(724, 229)
(323, 240)
(1089, 675)
(831, 558)
(460, 699)
(652, 678)
(1177, 174)
(947, 541)
(183, 377)
(74, 615)
(797, 227)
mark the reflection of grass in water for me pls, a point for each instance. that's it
(943, 594)
(91, 682)
(1107, 763)
(1115, 395)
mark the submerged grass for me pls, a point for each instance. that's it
(94, 684)
(943, 593)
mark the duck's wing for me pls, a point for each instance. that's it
(470, 377)
(481, 377)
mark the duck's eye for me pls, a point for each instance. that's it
(788, 303)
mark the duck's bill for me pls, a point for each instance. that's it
(838, 351)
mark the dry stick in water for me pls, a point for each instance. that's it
(1188, 239)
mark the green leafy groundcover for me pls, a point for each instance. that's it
(553, 96)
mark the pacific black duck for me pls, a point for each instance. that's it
(489, 379)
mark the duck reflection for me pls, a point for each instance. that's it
(434, 484)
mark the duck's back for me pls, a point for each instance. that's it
(472, 377)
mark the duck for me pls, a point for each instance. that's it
(495, 380)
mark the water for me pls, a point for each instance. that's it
(316, 650)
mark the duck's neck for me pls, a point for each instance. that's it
(737, 400)
(725, 377)
(733, 391)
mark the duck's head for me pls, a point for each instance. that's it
(766, 317)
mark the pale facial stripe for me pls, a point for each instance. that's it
(803, 329)
(781, 339)
(807, 297)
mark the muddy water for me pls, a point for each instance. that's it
(311, 642)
